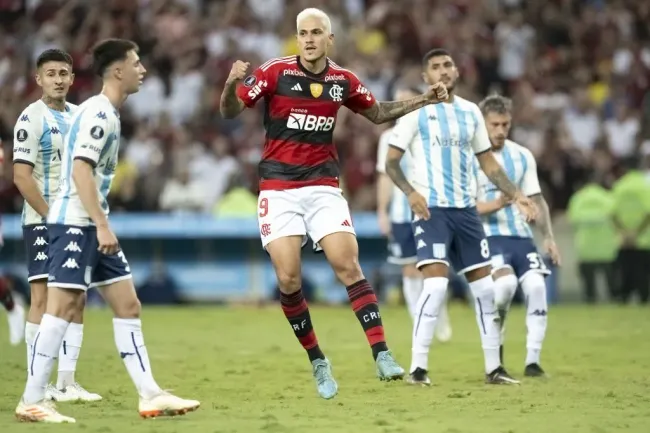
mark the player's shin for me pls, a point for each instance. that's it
(296, 311)
(534, 289)
(130, 345)
(412, 287)
(505, 287)
(366, 307)
(426, 314)
(44, 352)
(487, 319)
(31, 329)
(69, 354)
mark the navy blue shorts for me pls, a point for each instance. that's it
(75, 262)
(453, 236)
(401, 245)
(37, 248)
(519, 254)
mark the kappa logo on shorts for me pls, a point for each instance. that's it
(41, 256)
(74, 231)
(418, 231)
(72, 246)
(421, 244)
(70, 264)
(40, 241)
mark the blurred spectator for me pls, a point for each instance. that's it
(579, 73)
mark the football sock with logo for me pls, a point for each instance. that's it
(412, 287)
(69, 354)
(488, 321)
(6, 298)
(534, 289)
(504, 290)
(295, 309)
(31, 329)
(428, 307)
(130, 345)
(365, 306)
(44, 351)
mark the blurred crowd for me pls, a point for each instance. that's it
(577, 70)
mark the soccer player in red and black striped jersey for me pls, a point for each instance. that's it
(299, 178)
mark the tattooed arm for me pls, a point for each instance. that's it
(497, 176)
(230, 105)
(543, 221)
(395, 172)
(382, 112)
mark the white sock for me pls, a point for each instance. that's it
(504, 290)
(431, 299)
(412, 287)
(68, 354)
(45, 349)
(488, 320)
(534, 289)
(130, 345)
(31, 329)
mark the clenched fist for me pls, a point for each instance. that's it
(437, 93)
(238, 71)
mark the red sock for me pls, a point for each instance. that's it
(296, 311)
(365, 306)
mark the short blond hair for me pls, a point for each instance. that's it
(315, 13)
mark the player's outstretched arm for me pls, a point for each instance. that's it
(385, 111)
(230, 104)
(498, 177)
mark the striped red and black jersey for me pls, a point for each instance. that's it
(300, 116)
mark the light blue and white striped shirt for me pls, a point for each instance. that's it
(399, 210)
(38, 139)
(520, 167)
(443, 139)
(94, 137)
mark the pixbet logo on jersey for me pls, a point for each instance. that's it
(309, 122)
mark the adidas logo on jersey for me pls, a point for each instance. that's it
(72, 246)
(40, 241)
(70, 264)
(297, 88)
(40, 256)
(74, 231)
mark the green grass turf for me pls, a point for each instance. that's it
(252, 376)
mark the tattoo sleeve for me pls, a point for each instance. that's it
(543, 220)
(230, 105)
(495, 173)
(383, 112)
(395, 172)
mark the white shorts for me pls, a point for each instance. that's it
(316, 211)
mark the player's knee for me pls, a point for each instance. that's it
(505, 287)
(348, 271)
(410, 271)
(38, 299)
(63, 303)
(534, 286)
(128, 309)
(289, 282)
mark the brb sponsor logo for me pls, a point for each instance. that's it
(257, 89)
(309, 122)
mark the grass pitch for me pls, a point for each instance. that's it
(250, 374)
